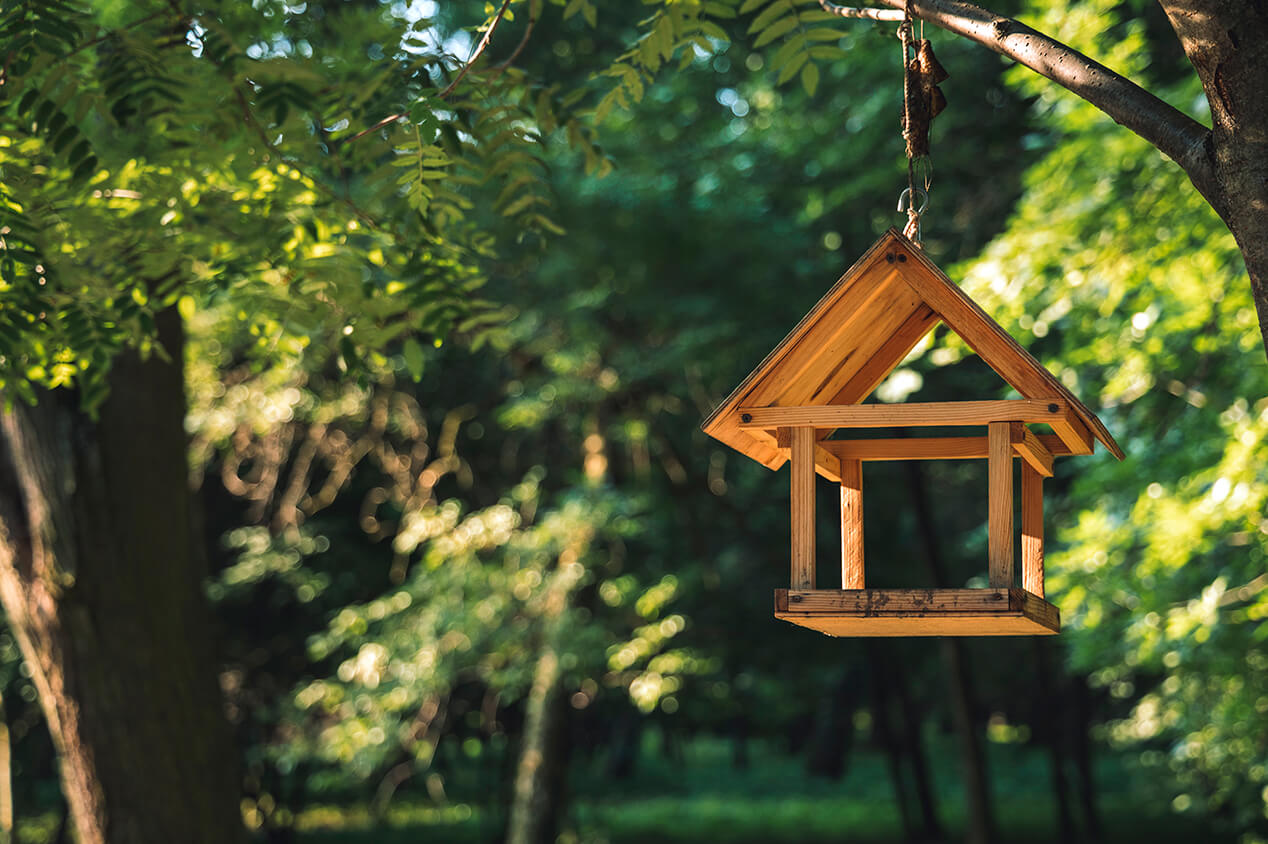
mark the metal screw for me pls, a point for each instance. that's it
(902, 259)
(1052, 408)
(889, 256)
(748, 417)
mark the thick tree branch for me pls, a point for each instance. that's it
(1176, 134)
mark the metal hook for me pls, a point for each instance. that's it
(905, 196)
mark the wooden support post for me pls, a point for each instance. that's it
(1000, 513)
(851, 524)
(1031, 530)
(802, 465)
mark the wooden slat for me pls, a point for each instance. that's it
(993, 344)
(827, 464)
(894, 601)
(820, 340)
(1031, 531)
(1074, 434)
(1000, 505)
(1032, 450)
(889, 355)
(803, 509)
(858, 346)
(928, 448)
(894, 415)
(918, 612)
(851, 524)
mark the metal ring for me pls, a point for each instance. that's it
(906, 196)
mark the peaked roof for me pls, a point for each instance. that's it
(862, 329)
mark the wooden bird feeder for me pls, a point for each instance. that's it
(813, 384)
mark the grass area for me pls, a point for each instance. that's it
(703, 797)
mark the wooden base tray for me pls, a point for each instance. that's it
(919, 612)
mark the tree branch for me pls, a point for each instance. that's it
(892, 15)
(475, 55)
(1176, 134)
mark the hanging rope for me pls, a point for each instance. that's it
(922, 101)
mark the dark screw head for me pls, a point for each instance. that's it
(748, 417)
(902, 259)
(1052, 408)
(889, 256)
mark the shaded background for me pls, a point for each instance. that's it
(577, 577)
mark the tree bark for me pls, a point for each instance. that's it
(535, 810)
(1227, 43)
(979, 819)
(101, 581)
(6, 777)
(1049, 712)
(537, 794)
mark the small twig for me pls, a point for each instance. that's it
(248, 116)
(534, 8)
(479, 50)
(891, 15)
(475, 56)
(391, 118)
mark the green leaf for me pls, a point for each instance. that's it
(412, 352)
(776, 10)
(776, 30)
(810, 78)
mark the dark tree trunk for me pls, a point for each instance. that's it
(1083, 757)
(979, 819)
(1227, 43)
(1049, 717)
(833, 731)
(931, 828)
(100, 577)
(537, 803)
(537, 797)
(882, 721)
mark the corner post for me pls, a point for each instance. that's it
(1000, 512)
(802, 465)
(1031, 530)
(851, 524)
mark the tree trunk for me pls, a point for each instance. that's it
(6, 778)
(100, 578)
(931, 828)
(1049, 713)
(535, 810)
(1227, 43)
(881, 721)
(537, 795)
(1083, 758)
(832, 735)
(979, 820)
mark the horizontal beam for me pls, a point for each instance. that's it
(939, 448)
(1033, 450)
(1051, 411)
(827, 464)
(918, 612)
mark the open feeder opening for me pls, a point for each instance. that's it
(813, 384)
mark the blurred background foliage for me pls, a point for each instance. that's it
(478, 570)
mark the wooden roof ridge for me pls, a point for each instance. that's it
(1016, 366)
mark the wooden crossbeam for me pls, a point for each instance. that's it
(1051, 411)
(1031, 449)
(936, 448)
